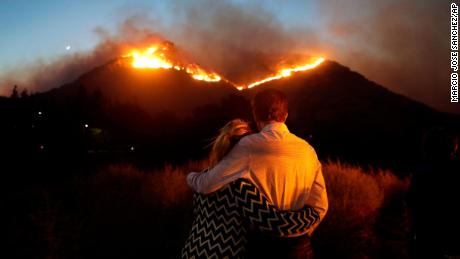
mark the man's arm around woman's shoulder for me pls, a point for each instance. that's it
(235, 165)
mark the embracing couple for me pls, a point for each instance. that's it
(263, 194)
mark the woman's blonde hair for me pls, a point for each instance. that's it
(228, 136)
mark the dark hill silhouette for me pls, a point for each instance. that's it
(115, 112)
(153, 90)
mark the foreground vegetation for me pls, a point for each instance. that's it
(125, 212)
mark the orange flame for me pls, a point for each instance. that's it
(149, 59)
(285, 72)
(155, 58)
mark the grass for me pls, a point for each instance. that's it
(357, 200)
(125, 212)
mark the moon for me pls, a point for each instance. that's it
(68, 47)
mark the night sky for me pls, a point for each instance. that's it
(403, 45)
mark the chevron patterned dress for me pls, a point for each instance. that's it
(222, 218)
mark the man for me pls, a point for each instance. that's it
(283, 166)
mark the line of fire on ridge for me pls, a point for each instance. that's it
(155, 57)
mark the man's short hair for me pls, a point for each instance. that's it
(270, 105)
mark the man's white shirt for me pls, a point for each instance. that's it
(283, 166)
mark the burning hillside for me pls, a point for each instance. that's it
(164, 56)
(160, 56)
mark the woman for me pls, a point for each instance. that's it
(223, 218)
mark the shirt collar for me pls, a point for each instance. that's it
(275, 126)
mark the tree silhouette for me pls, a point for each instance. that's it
(14, 93)
(24, 93)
